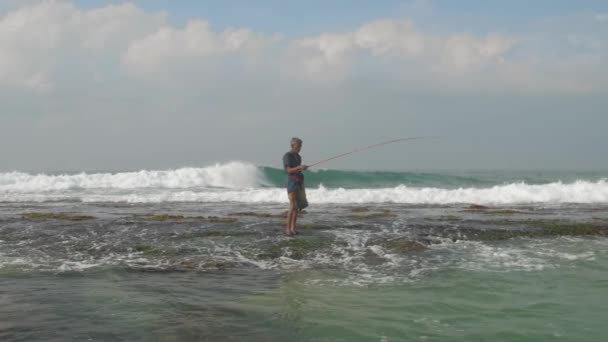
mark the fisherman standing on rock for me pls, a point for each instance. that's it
(292, 163)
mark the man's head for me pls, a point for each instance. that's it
(296, 144)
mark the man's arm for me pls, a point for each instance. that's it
(296, 168)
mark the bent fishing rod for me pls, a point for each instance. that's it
(360, 149)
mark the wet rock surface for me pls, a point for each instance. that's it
(174, 238)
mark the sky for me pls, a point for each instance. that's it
(91, 85)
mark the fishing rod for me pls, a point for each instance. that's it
(360, 149)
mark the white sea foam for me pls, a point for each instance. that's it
(554, 193)
(526, 255)
(242, 182)
(234, 175)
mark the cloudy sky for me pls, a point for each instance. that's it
(113, 85)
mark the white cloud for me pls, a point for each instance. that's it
(460, 52)
(323, 58)
(330, 56)
(601, 17)
(115, 26)
(37, 40)
(169, 46)
(27, 36)
(390, 37)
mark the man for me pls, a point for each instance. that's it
(292, 162)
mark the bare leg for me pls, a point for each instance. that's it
(294, 218)
(291, 215)
(288, 228)
(294, 213)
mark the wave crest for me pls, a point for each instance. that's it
(231, 175)
(247, 183)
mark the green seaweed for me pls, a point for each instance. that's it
(497, 235)
(254, 214)
(536, 229)
(572, 229)
(57, 216)
(478, 207)
(217, 219)
(503, 222)
(164, 217)
(496, 212)
(147, 250)
(359, 210)
(167, 217)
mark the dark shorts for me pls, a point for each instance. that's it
(297, 198)
(292, 185)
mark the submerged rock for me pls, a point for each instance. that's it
(254, 214)
(372, 259)
(491, 234)
(398, 245)
(497, 211)
(573, 229)
(147, 250)
(385, 213)
(295, 248)
(164, 217)
(449, 218)
(217, 219)
(478, 207)
(205, 264)
(57, 216)
(359, 210)
(169, 217)
(532, 229)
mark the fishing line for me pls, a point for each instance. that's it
(360, 149)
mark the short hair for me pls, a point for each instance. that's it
(296, 141)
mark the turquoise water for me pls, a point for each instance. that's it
(566, 302)
(440, 179)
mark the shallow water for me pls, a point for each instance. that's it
(383, 272)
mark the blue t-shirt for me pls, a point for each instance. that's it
(292, 159)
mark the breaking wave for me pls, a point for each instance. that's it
(243, 182)
(230, 175)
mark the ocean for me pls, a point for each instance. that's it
(198, 254)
